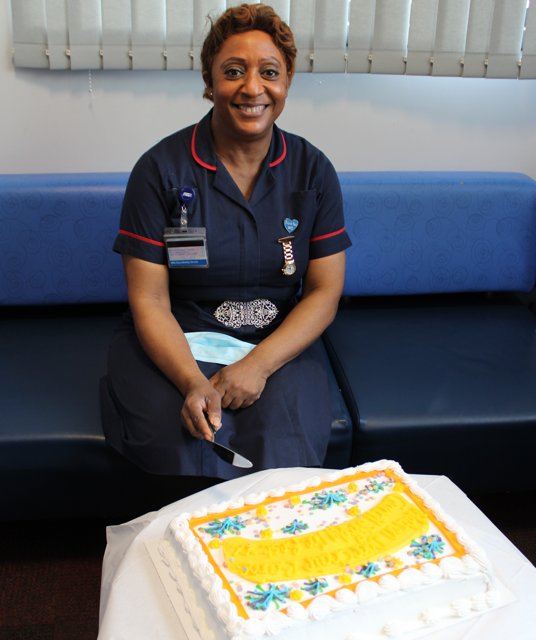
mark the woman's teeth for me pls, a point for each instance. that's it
(252, 109)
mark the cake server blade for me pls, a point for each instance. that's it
(227, 455)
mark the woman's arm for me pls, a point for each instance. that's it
(163, 340)
(240, 384)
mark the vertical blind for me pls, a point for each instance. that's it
(468, 38)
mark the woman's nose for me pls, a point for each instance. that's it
(252, 84)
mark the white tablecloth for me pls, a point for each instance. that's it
(135, 606)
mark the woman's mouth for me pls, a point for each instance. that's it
(253, 109)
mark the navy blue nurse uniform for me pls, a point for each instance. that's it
(289, 425)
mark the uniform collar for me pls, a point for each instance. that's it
(203, 148)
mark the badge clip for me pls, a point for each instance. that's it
(186, 247)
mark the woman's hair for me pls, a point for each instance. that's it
(241, 19)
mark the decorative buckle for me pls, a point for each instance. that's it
(257, 313)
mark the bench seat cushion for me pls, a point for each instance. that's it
(442, 388)
(53, 456)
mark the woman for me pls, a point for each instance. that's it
(271, 207)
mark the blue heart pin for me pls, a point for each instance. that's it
(290, 225)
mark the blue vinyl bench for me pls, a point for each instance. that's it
(432, 356)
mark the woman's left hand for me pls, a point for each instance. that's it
(239, 384)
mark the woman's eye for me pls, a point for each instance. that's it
(271, 73)
(233, 72)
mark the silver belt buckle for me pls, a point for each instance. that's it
(257, 313)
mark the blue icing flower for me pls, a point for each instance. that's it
(369, 570)
(327, 499)
(316, 586)
(263, 598)
(427, 547)
(295, 527)
(228, 525)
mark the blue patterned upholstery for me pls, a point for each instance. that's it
(56, 237)
(439, 232)
(412, 232)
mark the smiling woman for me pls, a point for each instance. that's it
(222, 223)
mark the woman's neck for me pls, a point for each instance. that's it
(242, 158)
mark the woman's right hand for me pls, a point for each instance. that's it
(201, 397)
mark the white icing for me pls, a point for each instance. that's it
(410, 578)
(274, 622)
(367, 590)
(461, 607)
(389, 583)
(323, 605)
(346, 597)
(196, 613)
(296, 611)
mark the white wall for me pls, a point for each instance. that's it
(49, 122)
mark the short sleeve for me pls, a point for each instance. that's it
(144, 215)
(328, 235)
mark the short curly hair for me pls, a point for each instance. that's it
(241, 19)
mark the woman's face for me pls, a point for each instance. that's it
(249, 83)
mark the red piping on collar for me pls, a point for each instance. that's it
(133, 235)
(213, 168)
(196, 157)
(282, 156)
(328, 235)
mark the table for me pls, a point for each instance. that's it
(135, 606)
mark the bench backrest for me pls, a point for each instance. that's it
(439, 232)
(412, 232)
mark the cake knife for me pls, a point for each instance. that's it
(227, 455)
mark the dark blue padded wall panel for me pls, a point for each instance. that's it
(56, 237)
(439, 232)
(442, 389)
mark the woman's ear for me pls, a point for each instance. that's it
(207, 79)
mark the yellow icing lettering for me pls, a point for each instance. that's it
(381, 531)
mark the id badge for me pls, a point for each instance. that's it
(186, 247)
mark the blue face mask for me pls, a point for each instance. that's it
(208, 346)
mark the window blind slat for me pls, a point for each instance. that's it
(391, 26)
(84, 20)
(360, 35)
(528, 61)
(302, 23)
(29, 33)
(421, 37)
(477, 39)
(201, 9)
(281, 7)
(116, 34)
(148, 34)
(506, 38)
(179, 28)
(331, 25)
(451, 30)
(58, 33)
